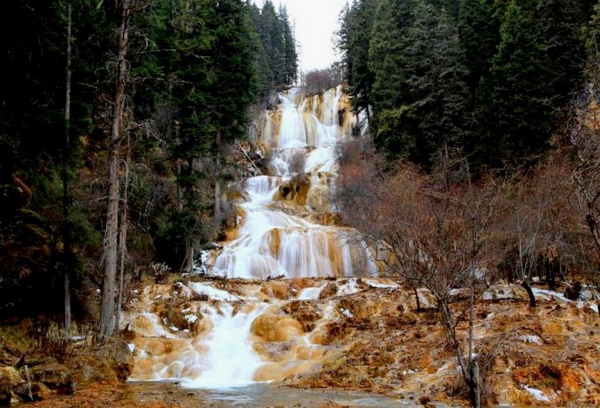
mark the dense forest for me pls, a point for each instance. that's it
(492, 81)
(113, 116)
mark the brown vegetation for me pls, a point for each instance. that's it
(442, 230)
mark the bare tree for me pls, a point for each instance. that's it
(540, 219)
(320, 80)
(432, 234)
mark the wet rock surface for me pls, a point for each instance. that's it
(363, 336)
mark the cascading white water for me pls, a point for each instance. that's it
(273, 239)
(227, 358)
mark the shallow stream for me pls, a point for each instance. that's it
(262, 395)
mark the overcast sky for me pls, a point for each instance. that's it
(315, 21)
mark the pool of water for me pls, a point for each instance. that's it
(264, 395)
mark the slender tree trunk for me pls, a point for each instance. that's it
(467, 368)
(67, 250)
(474, 380)
(108, 303)
(188, 262)
(417, 299)
(217, 213)
(124, 223)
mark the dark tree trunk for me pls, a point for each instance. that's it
(108, 304)
(66, 229)
(532, 302)
(417, 299)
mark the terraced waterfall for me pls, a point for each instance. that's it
(250, 327)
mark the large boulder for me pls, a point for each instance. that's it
(271, 327)
(55, 376)
(111, 363)
(295, 189)
(120, 358)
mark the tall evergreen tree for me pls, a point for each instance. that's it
(559, 23)
(271, 34)
(394, 123)
(479, 35)
(36, 163)
(261, 62)
(290, 56)
(437, 83)
(353, 39)
(514, 104)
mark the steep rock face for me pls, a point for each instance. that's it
(295, 189)
(286, 225)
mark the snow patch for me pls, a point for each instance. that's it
(535, 393)
(561, 297)
(374, 284)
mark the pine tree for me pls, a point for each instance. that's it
(271, 34)
(559, 23)
(479, 36)
(437, 83)
(265, 74)
(290, 56)
(33, 150)
(358, 21)
(514, 104)
(393, 123)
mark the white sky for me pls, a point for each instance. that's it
(315, 22)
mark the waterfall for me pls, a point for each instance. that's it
(216, 334)
(276, 238)
(226, 346)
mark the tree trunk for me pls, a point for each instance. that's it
(468, 366)
(124, 220)
(417, 299)
(188, 262)
(108, 303)
(474, 380)
(474, 384)
(526, 286)
(66, 231)
(217, 212)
